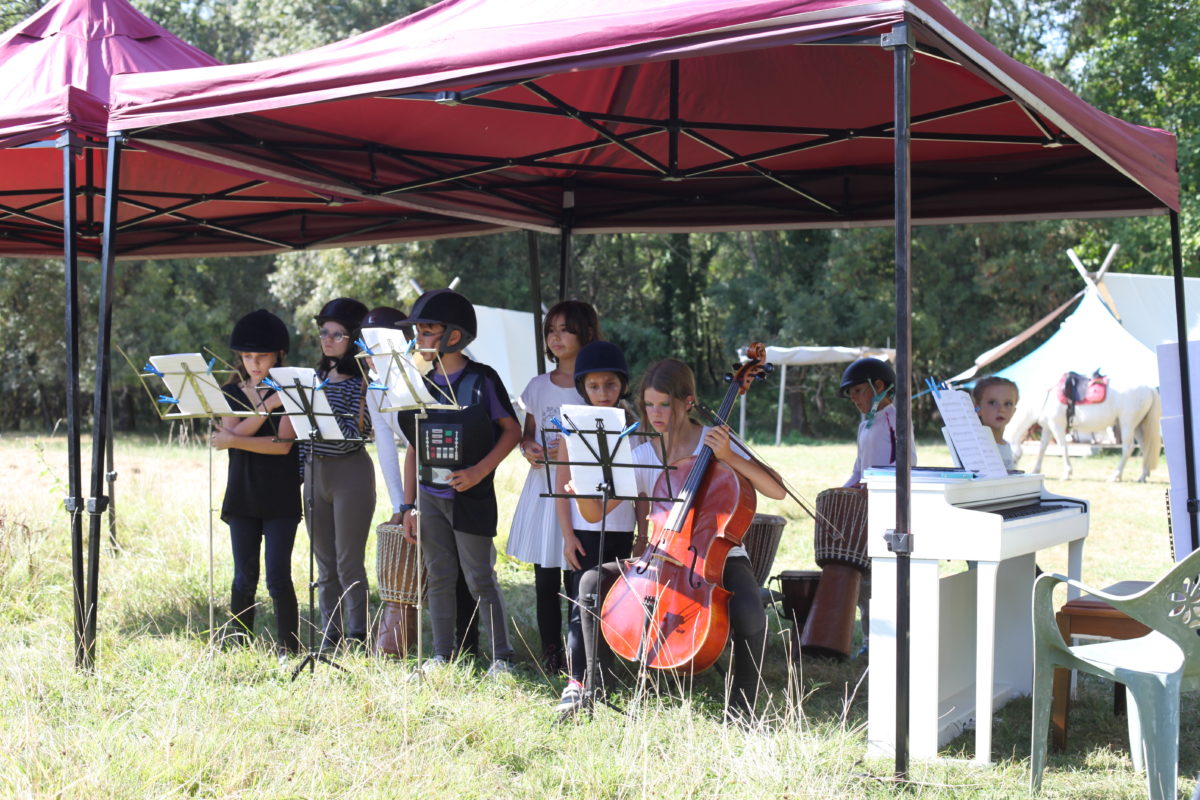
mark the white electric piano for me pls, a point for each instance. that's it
(971, 640)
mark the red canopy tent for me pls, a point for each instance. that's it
(56, 70)
(677, 115)
(661, 115)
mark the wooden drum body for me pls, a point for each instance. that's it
(400, 574)
(799, 589)
(840, 544)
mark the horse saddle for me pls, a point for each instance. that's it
(1076, 389)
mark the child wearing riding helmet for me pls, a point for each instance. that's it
(386, 426)
(870, 383)
(602, 377)
(339, 481)
(460, 450)
(538, 524)
(262, 491)
(666, 395)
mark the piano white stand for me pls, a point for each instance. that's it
(970, 634)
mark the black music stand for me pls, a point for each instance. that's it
(300, 406)
(604, 459)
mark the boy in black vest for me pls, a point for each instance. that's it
(459, 452)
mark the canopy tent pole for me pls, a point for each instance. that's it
(69, 145)
(779, 408)
(900, 42)
(535, 289)
(564, 243)
(97, 502)
(1185, 384)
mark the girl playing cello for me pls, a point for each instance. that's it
(667, 392)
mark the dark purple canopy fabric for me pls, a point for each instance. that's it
(56, 70)
(660, 115)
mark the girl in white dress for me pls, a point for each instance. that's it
(536, 536)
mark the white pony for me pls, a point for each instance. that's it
(1137, 409)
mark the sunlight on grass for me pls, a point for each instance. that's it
(166, 715)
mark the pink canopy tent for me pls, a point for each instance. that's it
(659, 116)
(677, 115)
(56, 70)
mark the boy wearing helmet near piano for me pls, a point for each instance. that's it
(870, 383)
(459, 452)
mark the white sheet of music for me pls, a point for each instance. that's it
(302, 381)
(175, 369)
(970, 439)
(399, 369)
(587, 478)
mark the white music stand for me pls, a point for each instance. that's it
(193, 387)
(397, 369)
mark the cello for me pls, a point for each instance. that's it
(668, 609)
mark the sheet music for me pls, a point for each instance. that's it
(971, 441)
(306, 377)
(587, 478)
(400, 370)
(200, 394)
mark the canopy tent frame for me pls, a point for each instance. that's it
(1107, 183)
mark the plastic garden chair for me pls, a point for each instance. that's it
(1152, 667)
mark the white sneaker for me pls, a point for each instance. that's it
(430, 666)
(500, 666)
(573, 700)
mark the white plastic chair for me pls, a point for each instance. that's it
(1153, 668)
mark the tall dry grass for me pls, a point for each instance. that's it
(166, 715)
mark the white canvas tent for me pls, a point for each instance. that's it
(506, 343)
(783, 357)
(1116, 327)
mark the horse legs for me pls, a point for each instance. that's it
(1037, 467)
(1058, 428)
(1126, 449)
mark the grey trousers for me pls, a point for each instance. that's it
(340, 496)
(445, 549)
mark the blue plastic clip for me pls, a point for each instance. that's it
(151, 369)
(412, 345)
(362, 345)
(270, 383)
(628, 431)
(556, 422)
(212, 362)
(167, 399)
(321, 385)
(377, 386)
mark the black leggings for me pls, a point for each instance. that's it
(547, 587)
(747, 618)
(617, 546)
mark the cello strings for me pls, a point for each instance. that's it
(710, 417)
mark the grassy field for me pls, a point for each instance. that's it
(166, 715)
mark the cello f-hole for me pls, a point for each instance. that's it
(693, 581)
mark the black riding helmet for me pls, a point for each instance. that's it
(259, 332)
(383, 317)
(449, 308)
(601, 357)
(868, 370)
(345, 311)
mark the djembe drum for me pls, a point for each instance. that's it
(399, 578)
(798, 587)
(840, 543)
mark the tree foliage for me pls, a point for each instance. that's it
(697, 297)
